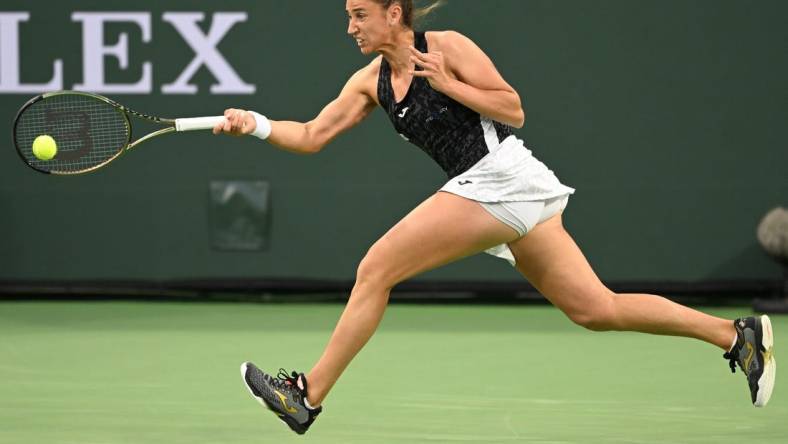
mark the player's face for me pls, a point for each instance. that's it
(367, 24)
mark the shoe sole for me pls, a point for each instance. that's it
(294, 426)
(766, 382)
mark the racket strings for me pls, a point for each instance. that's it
(88, 131)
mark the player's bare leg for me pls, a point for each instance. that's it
(549, 258)
(442, 229)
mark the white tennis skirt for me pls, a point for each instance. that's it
(510, 173)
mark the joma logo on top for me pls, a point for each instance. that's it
(95, 50)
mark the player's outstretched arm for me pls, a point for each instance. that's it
(352, 105)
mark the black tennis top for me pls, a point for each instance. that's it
(455, 136)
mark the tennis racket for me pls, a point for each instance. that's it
(89, 130)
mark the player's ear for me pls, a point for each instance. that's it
(394, 14)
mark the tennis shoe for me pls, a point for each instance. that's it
(285, 395)
(753, 352)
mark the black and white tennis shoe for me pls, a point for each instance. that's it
(285, 395)
(754, 354)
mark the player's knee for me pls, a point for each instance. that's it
(372, 272)
(598, 317)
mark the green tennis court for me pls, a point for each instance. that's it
(120, 372)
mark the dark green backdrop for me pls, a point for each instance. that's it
(666, 116)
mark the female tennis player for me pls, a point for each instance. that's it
(443, 94)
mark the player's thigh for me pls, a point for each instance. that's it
(551, 260)
(442, 229)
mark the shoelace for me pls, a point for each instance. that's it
(732, 356)
(286, 381)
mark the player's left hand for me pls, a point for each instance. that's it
(434, 68)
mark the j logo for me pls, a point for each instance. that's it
(283, 400)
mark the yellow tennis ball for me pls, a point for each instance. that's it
(44, 147)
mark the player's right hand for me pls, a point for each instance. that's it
(237, 122)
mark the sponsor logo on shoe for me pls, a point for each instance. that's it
(748, 359)
(283, 400)
(767, 355)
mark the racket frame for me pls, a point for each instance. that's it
(124, 111)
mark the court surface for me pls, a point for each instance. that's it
(121, 372)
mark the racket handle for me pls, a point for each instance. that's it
(197, 123)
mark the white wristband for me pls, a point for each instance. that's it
(263, 129)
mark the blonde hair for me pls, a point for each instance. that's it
(410, 14)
